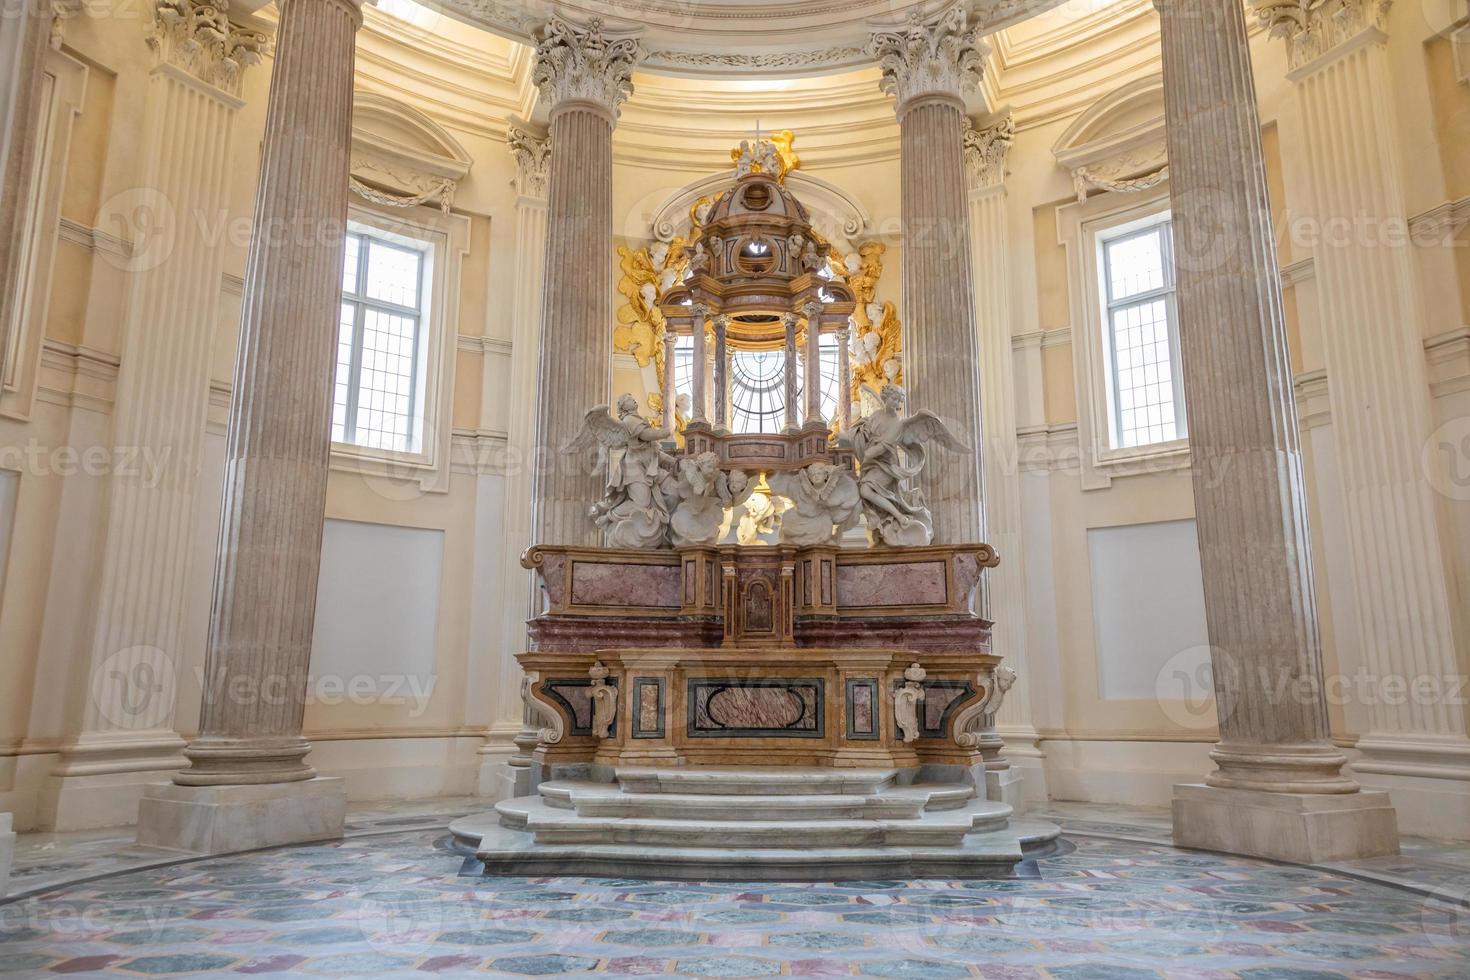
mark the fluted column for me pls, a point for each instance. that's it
(583, 76)
(161, 407)
(928, 65)
(533, 163)
(279, 435)
(985, 156)
(24, 34)
(1274, 761)
(1403, 595)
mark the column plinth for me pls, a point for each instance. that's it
(1252, 519)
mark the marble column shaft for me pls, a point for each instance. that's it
(583, 76)
(812, 366)
(698, 366)
(788, 322)
(1251, 511)
(928, 65)
(722, 372)
(161, 407)
(844, 379)
(279, 435)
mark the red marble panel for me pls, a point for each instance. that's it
(914, 583)
(609, 584)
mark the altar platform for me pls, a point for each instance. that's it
(782, 713)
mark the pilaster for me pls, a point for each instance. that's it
(1403, 589)
(137, 654)
(986, 150)
(532, 155)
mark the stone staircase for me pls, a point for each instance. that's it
(749, 823)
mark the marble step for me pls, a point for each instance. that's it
(503, 850)
(944, 828)
(756, 781)
(593, 799)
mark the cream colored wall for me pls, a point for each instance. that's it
(673, 132)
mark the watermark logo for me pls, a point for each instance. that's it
(145, 219)
(1445, 460)
(1185, 688)
(135, 688)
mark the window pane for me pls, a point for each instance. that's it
(757, 390)
(1135, 264)
(342, 376)
(827, 348)
(385, 386)
(1143, 374)
(684, 366)
(349, 264)
(393, 274)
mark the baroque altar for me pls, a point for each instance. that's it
(700, 707)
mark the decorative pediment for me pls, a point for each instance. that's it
(401, 157)
(1117, 143)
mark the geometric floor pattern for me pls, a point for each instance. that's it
(396, 905)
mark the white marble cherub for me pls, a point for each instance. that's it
(704, 494)
(890, 452)
(632, 512)
(758, 518)
(825, 503)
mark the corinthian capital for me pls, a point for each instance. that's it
(926, 58)
(985, 153)
(533, 162)
(1313, 28)
(195, 35)
(582, 64)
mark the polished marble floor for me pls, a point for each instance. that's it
(389, 900)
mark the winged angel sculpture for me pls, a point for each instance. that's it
(890, 452)
(632, 511)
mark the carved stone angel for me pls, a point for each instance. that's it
(825, 503)
(703, 494)
(631, 513)
(890, 452)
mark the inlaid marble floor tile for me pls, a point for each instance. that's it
(394, 904)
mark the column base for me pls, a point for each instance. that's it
(1306, 828)
(7, 851)
(497, 778)
(1007, 786)
(220, 819)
